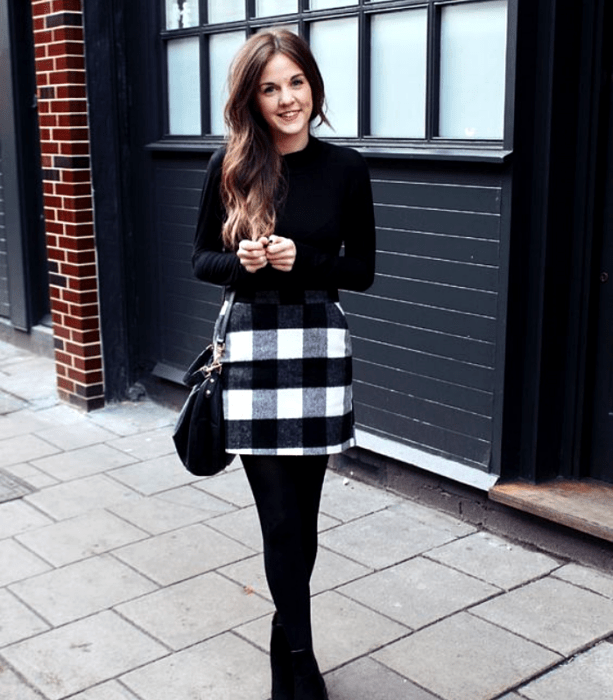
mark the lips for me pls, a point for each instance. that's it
(289, 116)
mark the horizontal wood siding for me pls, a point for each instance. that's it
(424, 335)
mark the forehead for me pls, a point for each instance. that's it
(279, 67)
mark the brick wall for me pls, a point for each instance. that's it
(68, 203)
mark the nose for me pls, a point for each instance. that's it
(285, 95)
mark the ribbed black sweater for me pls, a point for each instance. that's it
(328, 206)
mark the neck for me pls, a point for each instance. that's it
(292, 144)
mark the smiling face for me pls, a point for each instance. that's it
(285, 101)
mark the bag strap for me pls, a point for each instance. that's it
(221, 324)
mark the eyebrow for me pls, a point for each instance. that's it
(271, 82)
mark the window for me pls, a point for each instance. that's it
(419, 71)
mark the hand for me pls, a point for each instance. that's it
(281, 253)
(252, 254)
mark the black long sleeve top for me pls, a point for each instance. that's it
(328, 206)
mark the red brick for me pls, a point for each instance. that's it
(38, 24)
(52, 201)
(46, 161)
(55, 254)
(77, 245)
(64, 48)
(67, 34)
(81, 257)
(70, 63)
(52, 227)
(84, 310)
(66, 384)
(88, 365)
(80, 297)
(86, 337)
(50, 215)
(44, 37)
(73, 190)
(43, 107)
(79, 231)
(72, 120)
(64, 134)
(45, 65)
(40, 51)
(42, 79)
(69, 92)
(55, 293)
(79, 148)
(63, 358)
(86, 378)
(67, 5)
(82, 324)
(79, 283)
(81, 271)
(47, 120)
(77, 203)
(67, 77)
(52, 241)
(61, 370)
(64, 106)
(76, 216)
(61, 332)
(41, 8)
(48, 187)
(58, 319)
(76, 175)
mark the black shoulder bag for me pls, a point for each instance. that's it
(199, 434)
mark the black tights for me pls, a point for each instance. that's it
(287, 491)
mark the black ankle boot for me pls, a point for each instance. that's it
(308, 681)
(280, 663)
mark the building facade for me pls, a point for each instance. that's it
(484, 350)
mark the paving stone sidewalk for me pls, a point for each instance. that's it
(122, 577)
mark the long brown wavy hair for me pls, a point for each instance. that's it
(253, 185)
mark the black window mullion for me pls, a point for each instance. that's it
(434, 72)
(249, 12)
(205, 84)
(364, 63)
(204, 11)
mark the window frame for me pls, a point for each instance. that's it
(430, 146)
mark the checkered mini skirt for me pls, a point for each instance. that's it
(287, 375)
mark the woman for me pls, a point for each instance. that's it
(276, 208)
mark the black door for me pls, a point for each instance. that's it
(602, 429)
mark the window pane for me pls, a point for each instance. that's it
(473, 53)
(335, 46)
(267, 8)
(222, 49)
(398, 74)
(325, 4)
(226, 10)
(290, 27)
(182, 13)
(184, 86)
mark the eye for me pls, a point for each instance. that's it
(297, 82)
(268, 89)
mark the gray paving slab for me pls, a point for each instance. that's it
(10, 403)
(465, 658)
(17, 449)
(231, 486)
(17, 562)
(209, 506)
(75, 435)
(588, 675)
(35, 478)
(17, 621)
(12, 487)
(194, 610)
(553, 613)
(17, 517)
(32, 379)
(82, 461)
(242, 525)
(21, 423)
(494, 560)
(14, 688)
(343, 630)
(78, 538)
(347, 499)
(154, 475)
(67, 500)
(146, 445)
(107, 691)
(81, 589)
(587, 578)
(366, 679)
(74, 657)
(394, 534)
(156, 516)
(418, 592)
(177, 555)
(127, 418)
(224, 667)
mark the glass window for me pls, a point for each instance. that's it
(268, 8)
(472, 76)
(398, 74)
(327, 4)
(184, 110)
(222, 48)
(335, 46)
(226, 11)
(181, 14)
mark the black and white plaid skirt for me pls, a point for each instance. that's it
(287, 375)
